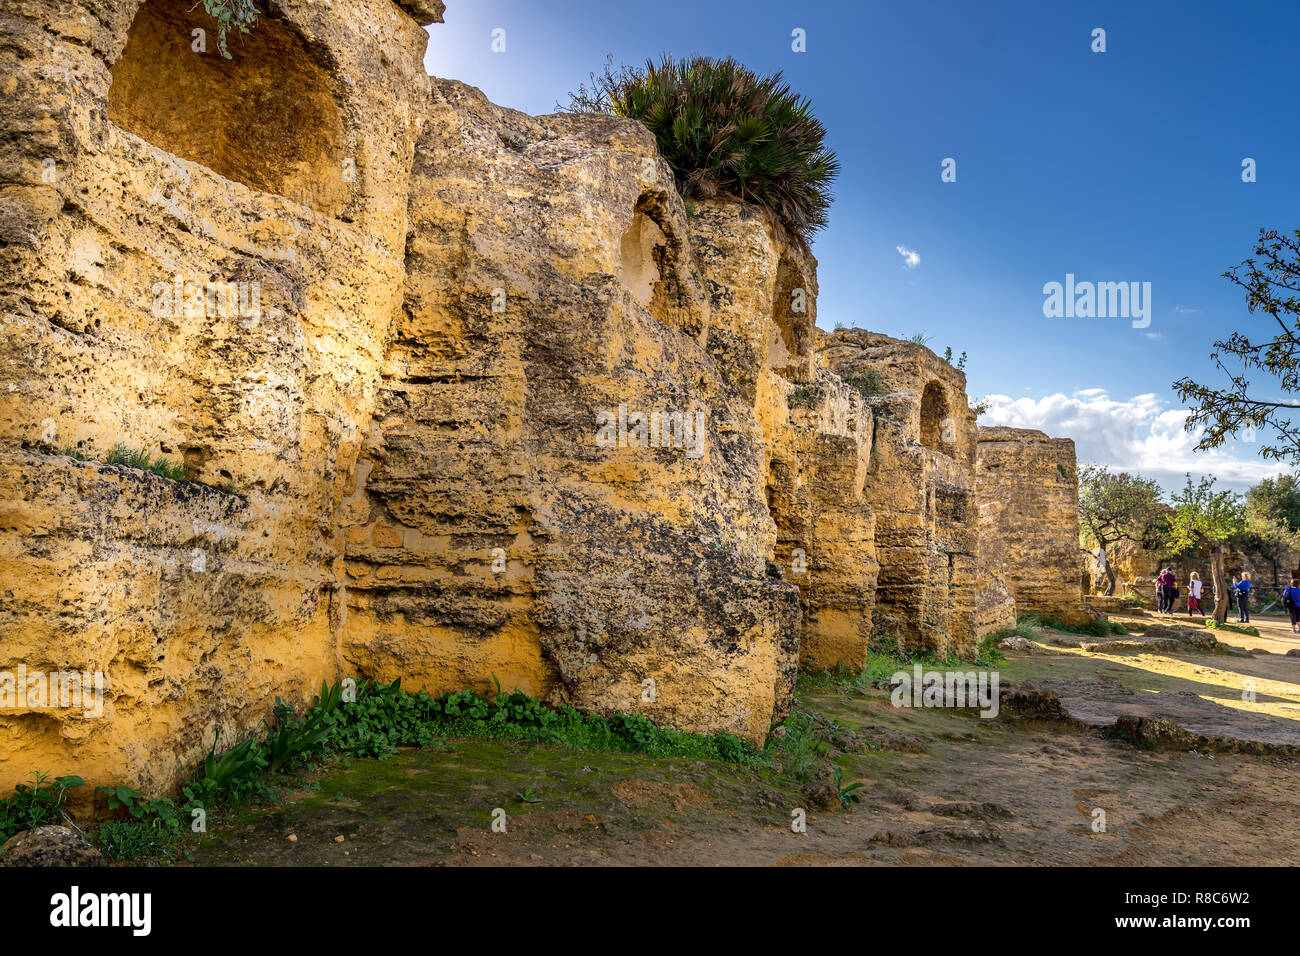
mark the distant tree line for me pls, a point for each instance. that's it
(1198, 520)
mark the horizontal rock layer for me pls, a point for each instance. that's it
(458, 395)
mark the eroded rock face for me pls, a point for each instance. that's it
(508, 518)
(816, 430)
(1029, 520)
(921, 485)
(460, 394)
(172, 302)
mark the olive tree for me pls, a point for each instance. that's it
(1114, 508)
(1205, 519)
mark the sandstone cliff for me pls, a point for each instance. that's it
(1029, 520)
(190, 267)
(507, 517)
(921, 483)
(458, 393)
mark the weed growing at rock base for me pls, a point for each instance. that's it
(1096, 627)
(382, 718)
(35, 804)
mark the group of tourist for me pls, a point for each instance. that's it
(1167, 591)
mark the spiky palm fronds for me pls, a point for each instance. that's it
(725, 129)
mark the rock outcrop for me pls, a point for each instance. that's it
(1029, 520)
(49, 846)
(455, 394)
(560, 486)
(921, 484)
(201, 257)
(817, 430)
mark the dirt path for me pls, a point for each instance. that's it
(956, 790)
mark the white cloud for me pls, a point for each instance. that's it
(1143, 434)
(910, 257)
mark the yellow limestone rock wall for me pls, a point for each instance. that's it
(921, 485)
(198, 605)
(1029, 520)
(817, 431)
(400, 338)
(491, 528)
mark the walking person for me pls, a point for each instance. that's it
(1242, 587)
(1291, 601)
(1166, 583)
(1194, 587)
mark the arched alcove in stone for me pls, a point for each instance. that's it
(268, 117)
(934, 411)
(652, 269)
(793, 307)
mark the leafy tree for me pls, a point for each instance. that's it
(1272, 540)
(1272, 284)
(1113, 508)
(725, 129)
(1277, 499)
(1205, 519)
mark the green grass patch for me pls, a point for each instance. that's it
(1095, 628)
(133, 840)
(384, 717)
(142, 458)
(381, 718)
(121, 454)
(884, 659)
(1235, 628)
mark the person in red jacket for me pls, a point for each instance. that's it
(1166, 581)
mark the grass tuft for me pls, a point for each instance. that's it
(121, 454)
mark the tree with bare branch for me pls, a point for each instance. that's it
(1271, 280)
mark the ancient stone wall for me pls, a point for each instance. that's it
(508, 518)
(816, 430)
(219, 292)
(459, 394)
(1029, 519)
(921, 486)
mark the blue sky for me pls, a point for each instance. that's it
(1115, 166)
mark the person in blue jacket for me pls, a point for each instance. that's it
(1291, 601)
(1242, 588)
